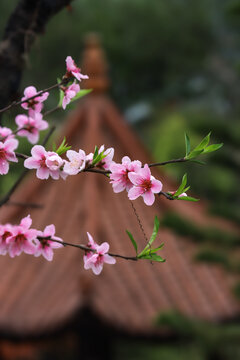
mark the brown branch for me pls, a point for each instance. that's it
(15, 103)
(167, 196)
(27, 21)
(168, 162)
(86, 248)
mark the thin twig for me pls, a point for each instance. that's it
(15, 103)
(168, 162)
(51, 111)
(169, 197)
(86, 248)
(25, 204)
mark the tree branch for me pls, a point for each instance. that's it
(27, 21)
(86, 248)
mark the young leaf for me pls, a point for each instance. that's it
(181, 187)
(153, 236)
(155, 231)
(187, 144)
(152, 257)
(187, 198)
(61, 96)
(203, 143)
(81, 93)
(194, 154)
(212, 148)
(132, 240)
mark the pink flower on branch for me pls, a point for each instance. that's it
(5, 232)
(35, 103)
(30, 126)
(5, 133)
(47, 163)
(145, 185)
(22, 238)
(76, 163)
(73, 70)
(95, 260)
(45, 246)
(69, 93)
(119, 174)
(7, 154)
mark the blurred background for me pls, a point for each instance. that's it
(174, 67)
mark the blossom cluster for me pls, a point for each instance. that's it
(17, 239)
(49, 163)
(95, 259)
(29, 125)
(73, 89)
(131, 176)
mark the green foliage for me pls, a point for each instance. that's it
(97, 156)
(133, 241)
(148, 252)
(63, 147)
(201, 148)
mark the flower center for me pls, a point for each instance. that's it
(20, 238)
(146, 185)
(2, 154)
(42, 162)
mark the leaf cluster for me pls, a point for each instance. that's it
(148, 252)
(200, 149)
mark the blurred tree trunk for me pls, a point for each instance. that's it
(26, 22)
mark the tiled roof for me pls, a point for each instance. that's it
(37, 296)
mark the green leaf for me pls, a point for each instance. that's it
(187, 144)
(212, 148)
(194, 154)
(203, 143)
(132, 240)
(187, 198)
(181, 187)
(151, 251)
(153, 236)
(63, 147)
(61, 96)
(81, 93)
(152, 257)
(155, 231)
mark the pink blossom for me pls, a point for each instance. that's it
(47, 163)
(95, 260)
(74, 70)
(69, 93)
(119, 174)
(22, 238)
(35, 103)
(31, 126)
(5, 233)
(7, 154)
(5, 133)
(44, 246)
(145, 185)
(107, 161)
(77, 162)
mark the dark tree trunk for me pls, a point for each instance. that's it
(26, 22)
